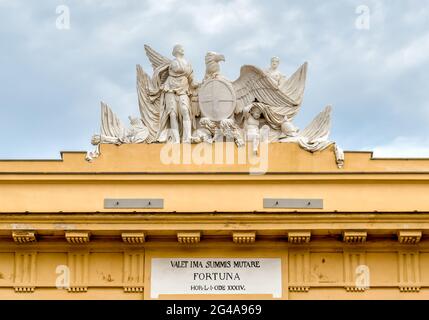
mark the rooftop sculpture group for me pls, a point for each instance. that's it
(175, 109)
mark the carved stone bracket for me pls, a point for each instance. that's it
(409, 237)
(244, 237)
(77, 237)
(24, 236)
(189, 237)
(133, 237)
(354, 236)
(298, 237)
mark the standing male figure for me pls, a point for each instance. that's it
(177, 89)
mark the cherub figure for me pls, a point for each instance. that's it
(251, 126)
(205, 131)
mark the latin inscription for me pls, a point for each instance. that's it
(215, 276)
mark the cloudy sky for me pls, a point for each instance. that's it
(52, 79)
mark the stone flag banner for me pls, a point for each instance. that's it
(216, 276)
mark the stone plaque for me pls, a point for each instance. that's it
(216, 276)
(217, 99)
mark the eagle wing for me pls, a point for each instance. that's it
(254, 85)
(155, 58)
(159, 63)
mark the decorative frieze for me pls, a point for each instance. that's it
(24, 236)
(244, 237)
(77, 237)
(354, 236)
(409, 271)
(133, 237)
(409, 237)
(78, 263)
(25, 272)
(133, 272)
(189, 237)
(298, 237)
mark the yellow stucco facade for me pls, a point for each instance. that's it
(375, 214)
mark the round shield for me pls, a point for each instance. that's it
(217, 99)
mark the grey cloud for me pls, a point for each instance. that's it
(52, 80)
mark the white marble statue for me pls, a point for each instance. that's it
(114, 132)
(177, 90)
(212, 60)
(314, 137)
(274, 73)
(173, 108)
(252, 126)
(165, 99)
(288, 128)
